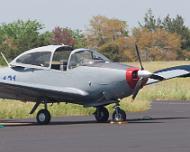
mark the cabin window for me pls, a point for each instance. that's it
(37, 58)
(85, 58)
(79, 58)
(60, 58)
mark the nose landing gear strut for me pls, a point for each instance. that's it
(118, 115)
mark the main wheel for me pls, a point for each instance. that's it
(101, 114)
(43, 117)
(119, 115)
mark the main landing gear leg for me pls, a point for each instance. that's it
(119, 115)
(43, 116)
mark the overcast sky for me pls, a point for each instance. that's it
(77, 13)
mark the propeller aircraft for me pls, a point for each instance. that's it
(59, 73)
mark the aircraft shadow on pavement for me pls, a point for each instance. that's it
(8, 123)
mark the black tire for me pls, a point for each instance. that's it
(101, 114)
(43, 117)
(119, 116)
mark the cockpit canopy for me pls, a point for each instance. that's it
(85, 57)
(58, 57)
(37, 58)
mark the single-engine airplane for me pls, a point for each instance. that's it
(59, 73)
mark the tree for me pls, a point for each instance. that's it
(176, 25)
(45, 38)
(62, 36)
(115, 50)
(150, 22)
(68, 36)
(103, 29)
(79, 38)
(19, 36)
(108, 35)
(157, 45)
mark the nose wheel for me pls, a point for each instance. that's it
(118, 115)
(101, 114)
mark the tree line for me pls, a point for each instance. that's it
(158, 39)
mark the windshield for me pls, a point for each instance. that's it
(86, 57)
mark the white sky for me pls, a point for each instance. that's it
(77, 13)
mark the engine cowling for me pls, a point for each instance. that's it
(132, 77)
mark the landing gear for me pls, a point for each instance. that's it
(43, 117)
(118, 115)
(101, 114)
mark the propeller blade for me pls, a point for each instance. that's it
(136, 90)
(157, 77)
(143, 75)
(139, 58)
(147, 74)
(141, 82)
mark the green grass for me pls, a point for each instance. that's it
(16, 109)
(176, 89)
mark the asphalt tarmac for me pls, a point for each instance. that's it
(165, 128)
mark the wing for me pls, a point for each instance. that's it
(33, 92)
(170, 73)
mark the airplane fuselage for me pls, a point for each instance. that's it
(104, 83)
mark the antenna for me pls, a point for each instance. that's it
(5, 59)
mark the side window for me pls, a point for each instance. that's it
(80, 58)
(85, 58)
(60, 59)
(37, 58)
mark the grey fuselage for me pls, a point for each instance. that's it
(104, 83)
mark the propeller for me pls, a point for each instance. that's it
(143, 75)
(139, 58)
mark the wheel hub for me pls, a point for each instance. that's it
(42, 117)
(118, 117)
(101, 114)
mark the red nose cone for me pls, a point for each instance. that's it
(132, 77)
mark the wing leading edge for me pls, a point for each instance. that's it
(32, 92)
